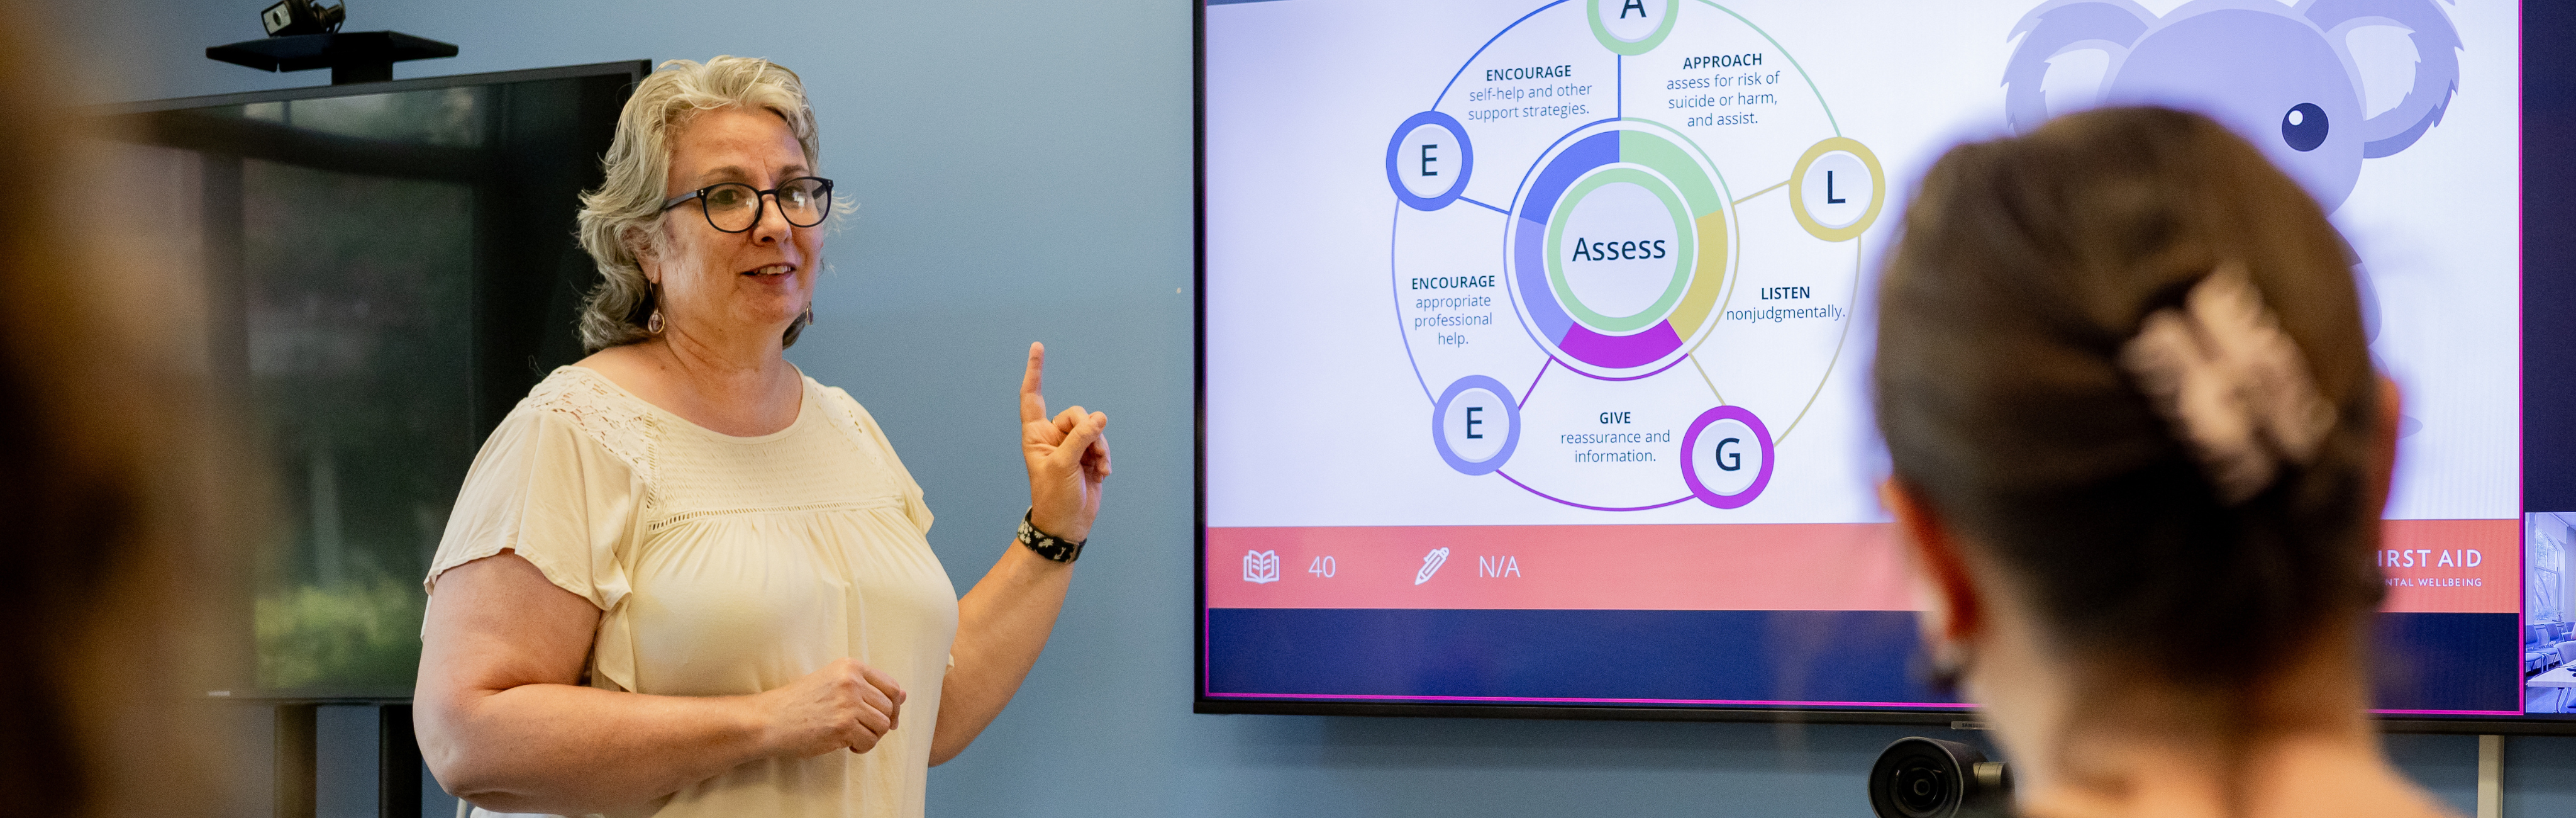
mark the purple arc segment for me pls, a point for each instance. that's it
(1530, 255)
(1620, 351)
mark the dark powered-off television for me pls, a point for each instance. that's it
(387, 267)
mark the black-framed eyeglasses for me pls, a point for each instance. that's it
(734, 207)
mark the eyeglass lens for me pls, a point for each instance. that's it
(734, 207)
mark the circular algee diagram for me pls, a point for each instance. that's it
(1625, 248)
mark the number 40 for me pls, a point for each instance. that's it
(1322, 567)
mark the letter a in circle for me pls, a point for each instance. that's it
(1638, 6)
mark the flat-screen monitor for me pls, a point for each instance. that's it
(1534, 335)
(387, 268)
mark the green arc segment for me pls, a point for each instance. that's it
(1668, 159)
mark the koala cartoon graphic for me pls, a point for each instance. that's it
(2280, 76)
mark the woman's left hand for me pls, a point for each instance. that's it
(1067, 455)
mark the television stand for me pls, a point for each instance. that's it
(352, 56)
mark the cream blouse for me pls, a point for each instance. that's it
(725, 566)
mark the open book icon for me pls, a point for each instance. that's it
(1261, 566)
(1431, 564)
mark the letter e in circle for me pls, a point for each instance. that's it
(1474, 425)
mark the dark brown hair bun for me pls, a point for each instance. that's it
(2027, 265)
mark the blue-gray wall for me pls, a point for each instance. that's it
(1024, 169)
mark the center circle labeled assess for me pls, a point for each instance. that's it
(1620, 249)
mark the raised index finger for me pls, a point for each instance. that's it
(1032, 404)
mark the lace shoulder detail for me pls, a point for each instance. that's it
(848, 418)
(607, 415)
(854, 423)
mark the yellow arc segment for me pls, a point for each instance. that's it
(1706, 280)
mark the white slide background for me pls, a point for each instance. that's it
(1315, 414)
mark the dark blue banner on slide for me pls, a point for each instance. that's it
(2439, 662)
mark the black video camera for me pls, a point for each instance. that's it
(1931, 778)
(292, 17)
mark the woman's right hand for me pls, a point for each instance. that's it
(1068, 457)
(842, 705)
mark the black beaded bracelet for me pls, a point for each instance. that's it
(1047, 545)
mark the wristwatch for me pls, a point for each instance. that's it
(1047, 545)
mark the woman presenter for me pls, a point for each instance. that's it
(2140, 452)
(683, 579)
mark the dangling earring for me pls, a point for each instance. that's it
(808, 318)
(653, 323)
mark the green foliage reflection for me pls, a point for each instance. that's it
(361, 635)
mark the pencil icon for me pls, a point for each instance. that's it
(1431, 564)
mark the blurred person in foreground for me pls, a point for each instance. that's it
(125, 501)
(682, 578)
(2139, 456)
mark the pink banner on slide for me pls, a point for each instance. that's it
(1820, 567)
(2467, 566)
(2452, 566)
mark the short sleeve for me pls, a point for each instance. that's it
(552, 494)
(913, 507)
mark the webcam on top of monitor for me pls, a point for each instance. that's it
(288, 18)
(1930, 778)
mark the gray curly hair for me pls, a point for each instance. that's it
(616, 220)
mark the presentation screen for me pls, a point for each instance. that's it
(1535, 336)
